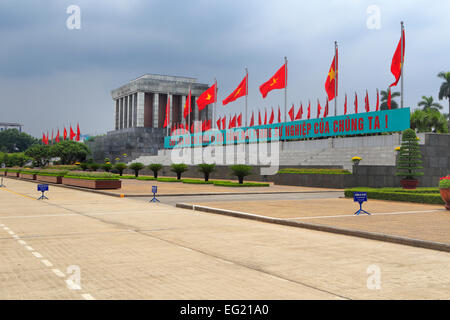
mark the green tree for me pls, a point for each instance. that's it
(40, 154)
(12, 140)
(94, 166)
(206, 169)
(241, 171)
(429, 120)
(428, 103)
(444, 90)
(155, 167)
(107, 167)
(136, 167)
(70, 151)
(384, 97)
(120, 167)
(179, 168)
(409, 157)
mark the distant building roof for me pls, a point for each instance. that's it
(10, 124)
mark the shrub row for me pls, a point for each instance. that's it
(314, 171)
(406, 196)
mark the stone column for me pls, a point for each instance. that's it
(120, 113)
(183, 102)
(116, 114)
(134, 110)
(140, 109)
(130, 111)
(155, 110)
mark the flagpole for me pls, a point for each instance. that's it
(285, 89)
(246, 96)
(402, 61)
(336, 78)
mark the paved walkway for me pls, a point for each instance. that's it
(132, 187)
(130, 249)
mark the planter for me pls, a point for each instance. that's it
(92, 184)
(51, 179)
(12, 174)
(445, 194)
(409, 184)
(27, 176)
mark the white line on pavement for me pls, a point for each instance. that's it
(37, 254)
(373, 214)
(29, 248)
(87, 296)
(47, 263)
(22, 242)
(58, 273)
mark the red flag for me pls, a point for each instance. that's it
(299, 113)
(187, 106)
(291, 113)
(218, 123)
(325, 114)
(239, 120)
(389, 100)
(277, 81)
(272, 117)
(259, 117)
(77, 138)
(240, 91)
(309, 109)
(57, 137)
(52, 137)
(224, 122)
(279, 114)
(356, 103)
(65, 134)
(331, 81)
(43, 138)
(345, 104)
(232, 122)
(397, 60)
(366, 100)
(192, 127)
(207, 97)
(252, 120)
(378, 101)
(208, 124)
(166, 118)
(265, 116)
(72, 134)
(318, 108)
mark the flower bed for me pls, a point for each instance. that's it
(444, 189)
(27, 175)
(92, 180)
(52, 176)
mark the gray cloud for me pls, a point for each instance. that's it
(50, 76)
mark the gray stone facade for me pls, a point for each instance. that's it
(142, 102)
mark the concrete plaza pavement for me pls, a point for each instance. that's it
(129, 249)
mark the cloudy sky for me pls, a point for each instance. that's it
(51, 76)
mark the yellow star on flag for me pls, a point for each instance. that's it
(208, 97)
(274, 81)
(331, 74)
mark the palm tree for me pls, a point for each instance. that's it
(384, 98)
(444, 91)
(428, 103)
(428, 120)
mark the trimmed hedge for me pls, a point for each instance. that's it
(127, 176)
(145, 178)
(237, 184)
(314, 171)
(396, 195)
(168, 180)
(194, 181)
